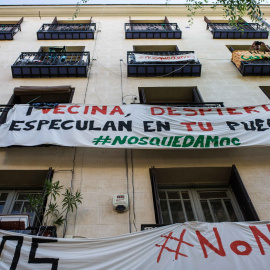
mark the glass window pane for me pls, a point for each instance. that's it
(230, 210)
(3, 196)
(189, 211)
(185, 195)
(27, 209)
(162, 194)
(165, 212)
(173, 194)
(213, 194)
(206, 211)
(17, 208)
(2, 204)
(177, 212)
(219, 212)
(22, 196)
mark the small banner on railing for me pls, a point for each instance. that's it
(194, 245)
(165, 58)
(137, 126)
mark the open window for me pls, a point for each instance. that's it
(67, 29)
(15, 186)
(222, 29)
(9, 28)
(152, 29)
(162, 61)
(251, 63)
(214, 194)
(38, 94)
(156, 48)
(174, 96)
(266, 90)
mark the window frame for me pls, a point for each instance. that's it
(12, 198)
(196, 202)
(235, 183)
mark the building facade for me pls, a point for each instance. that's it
(164, 186)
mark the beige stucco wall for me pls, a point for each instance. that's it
(100, 173)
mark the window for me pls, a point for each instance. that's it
(151, 29)
(214, 194)
(16, 202)
(162, 61)
(208, 205)
(250, 63)
(35, 94)
(221, 29)
(15, 185)
(9, 28)
(266, 90)
(169, 95)
(38, 94)
(67, 29)
(155, 48)
(52, 61)
(174, 96)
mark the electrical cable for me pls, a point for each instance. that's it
(126, 161)
(71, 189)
(133, 191)
(122, 93)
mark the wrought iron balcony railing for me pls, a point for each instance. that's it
(7, 31)
(51, 64)
(255, 68)
(67, 31)
(152, 30)
(191, 104)
(187, 68)
(240, 30)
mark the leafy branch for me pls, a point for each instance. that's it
(233, 9)
(53, 214)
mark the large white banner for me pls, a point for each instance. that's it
(165, 58)
(194, 245)
(137, 126)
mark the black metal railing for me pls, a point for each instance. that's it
(51, 64)
(189, 104)
(152, 30)
(67, 31)
(7, 31)
(239, 30)
(255, 68)
(132, 60)
(163, 68)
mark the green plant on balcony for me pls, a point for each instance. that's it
(54, 213)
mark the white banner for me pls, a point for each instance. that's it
(194, 245)
(165, 58)
(137, 126)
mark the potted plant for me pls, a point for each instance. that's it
(49, 210)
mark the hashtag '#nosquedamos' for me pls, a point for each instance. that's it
(102, 140)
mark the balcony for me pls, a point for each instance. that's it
(67, 31)
(152, 31)
(188, 68)
(9, 28)
(256, 63)
(51, 64)
(242, 30)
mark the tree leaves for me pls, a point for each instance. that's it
(53, 214)
(233, 9)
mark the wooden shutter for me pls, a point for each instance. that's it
(142, 96)
(55, 21)
(48, 177)
(156, 200)
(197, 98)
(242, 196)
